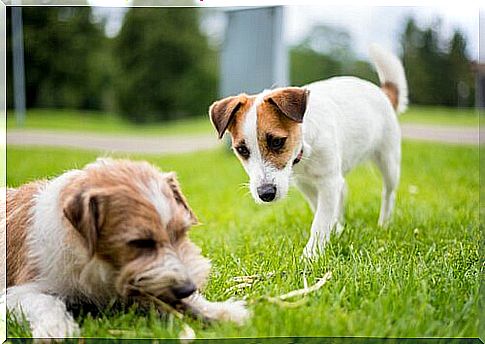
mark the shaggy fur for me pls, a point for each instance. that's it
(115, 230)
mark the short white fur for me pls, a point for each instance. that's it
(347, 121)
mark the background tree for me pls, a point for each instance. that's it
(63, 49)
(460, 76)
(161, 66)
(326, 52)
(438, 69)
(165, 66)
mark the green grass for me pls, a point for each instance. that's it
(417, 278)
(431, 115)
(74, 120)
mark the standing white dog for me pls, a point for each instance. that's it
(320, 132)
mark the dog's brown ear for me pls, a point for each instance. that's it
(290, 101)
(222, 112)
(85, 211)
(179, 197)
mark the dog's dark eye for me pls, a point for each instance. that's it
(146, 244)
(243, 151)
(275, 143)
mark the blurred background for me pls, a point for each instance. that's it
(149, 65)
(96, 80)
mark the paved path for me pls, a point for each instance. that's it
(447, 134)
(179, 144)
(113, 143)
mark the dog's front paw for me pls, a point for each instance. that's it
(229, 310)
(57, 328)
(313, 250)
(234, 311)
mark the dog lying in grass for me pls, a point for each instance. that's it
(115, 230)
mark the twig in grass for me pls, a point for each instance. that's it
(187, 334)
(280, 300)
(285, 304)
(238, 287)
(252, 278)
(307, 290)
(165, 306)
(248, 281)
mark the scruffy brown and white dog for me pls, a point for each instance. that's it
(115, 230)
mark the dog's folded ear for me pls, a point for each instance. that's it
(85, 211)
(290, 101)
(222, 112)
(179, 197)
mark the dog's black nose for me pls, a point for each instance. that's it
(184, 290)
(267, 192)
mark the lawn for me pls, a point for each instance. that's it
(73, 120)
(98, 122)
(417, 278)
(434, 115)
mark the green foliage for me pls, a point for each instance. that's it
(161, 66)
(325, 53)
(165, 67)
(419, 277)
(65, 56)
(438, 69)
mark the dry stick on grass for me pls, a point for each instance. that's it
(187, 334)
(244, 282)
(252, 278)
(280, 300)
(307, 290)
(238, 287)
(165, 306)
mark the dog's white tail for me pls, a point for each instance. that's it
(391, 76)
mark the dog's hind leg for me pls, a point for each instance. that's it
(339, 227)
(388, 161)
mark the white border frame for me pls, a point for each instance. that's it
(158, 3)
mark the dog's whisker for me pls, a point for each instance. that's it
(241, 187)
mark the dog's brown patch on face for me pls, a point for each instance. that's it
(132, 228)
(392, 92)
(223, 112)
(236, 126)
(178, 196)
(115, 201)
(19, 208)
(278, 119)
(273, 125)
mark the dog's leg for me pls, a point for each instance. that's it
(326, 215)
(389, 165)
(310, 192)
(229, 310)
(47, 314)
(339, 227)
